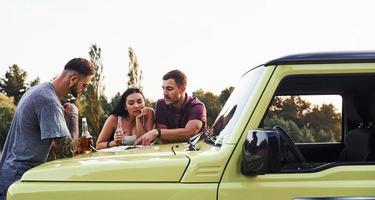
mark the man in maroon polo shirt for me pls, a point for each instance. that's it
(177, 116)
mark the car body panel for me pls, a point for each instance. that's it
(112, 191)
(332, 182)
(152, 163)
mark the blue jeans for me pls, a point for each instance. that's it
(2, 197)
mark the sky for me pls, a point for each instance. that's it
(213, 41)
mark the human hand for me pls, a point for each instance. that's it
(118, 137)
(70, 109)
(83, 144)
(78, 146)
(147, 138)
(143, 113)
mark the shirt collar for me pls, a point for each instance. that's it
(187, 100)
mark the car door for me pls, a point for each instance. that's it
(326, 177)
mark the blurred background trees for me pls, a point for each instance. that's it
(300, 120)
(91, 103)
(294, 114)
(297, 116)
(14, 83)
(214, 103)
(7, 109)
(135, 74)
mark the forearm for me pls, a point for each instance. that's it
(63, 147)
(106, 144)
(140, 130)
(73, 125)
(71, 111)
(176, 135)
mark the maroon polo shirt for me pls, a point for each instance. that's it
(168, 115)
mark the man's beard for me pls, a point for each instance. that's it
(73, 90)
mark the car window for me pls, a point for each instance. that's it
(307, 118)
(228, 116)
(330, 119)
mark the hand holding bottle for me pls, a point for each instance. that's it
(85, 140)
(119, 133)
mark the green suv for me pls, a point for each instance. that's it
(297, 127)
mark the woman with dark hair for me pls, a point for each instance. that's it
(129, 120)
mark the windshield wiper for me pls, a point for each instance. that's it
(194, 140)
(210, 139)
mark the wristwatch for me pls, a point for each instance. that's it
(159, 133)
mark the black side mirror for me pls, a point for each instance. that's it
(261, 153)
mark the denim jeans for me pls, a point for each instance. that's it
(2, 197)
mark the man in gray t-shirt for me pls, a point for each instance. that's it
(39, 125)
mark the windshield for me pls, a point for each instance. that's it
(225, 121)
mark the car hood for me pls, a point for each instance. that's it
(146, 164)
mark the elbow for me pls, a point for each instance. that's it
(101, 145)
(193, 132)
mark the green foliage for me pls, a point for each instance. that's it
(212, 103)
(224, 95)
(326, 121)
(114, 101)
(106, 106)
(14, 83)
(7, 109)
(135, 74)
(150, 103)
(297, 134)
(97, 81)
(91, 103)
(303, 123)
(35, 82)
(291, 108)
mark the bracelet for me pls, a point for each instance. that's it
(159, 133)
(109, 141)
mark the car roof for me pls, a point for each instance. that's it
(325, 58)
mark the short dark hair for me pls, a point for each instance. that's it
(178, 76)
(80, 65)
(120, 110)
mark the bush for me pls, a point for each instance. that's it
(7, 109)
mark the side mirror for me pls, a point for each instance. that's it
(261, 153)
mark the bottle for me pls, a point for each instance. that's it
(119, 128)
(86, 137)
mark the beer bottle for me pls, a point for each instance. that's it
(119, 128)
(85, 136)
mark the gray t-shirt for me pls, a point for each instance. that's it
(38, 119)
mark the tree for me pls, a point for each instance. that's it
(288, 125)
(91, 103)
(303, 123)
(35, 82)
(14, 83)
(212, 103)
(135, 74)
(7, 109)
(96, 59)
(291, 108)
(326, 121)
(224, 95)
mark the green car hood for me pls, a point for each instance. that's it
(146, 164)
